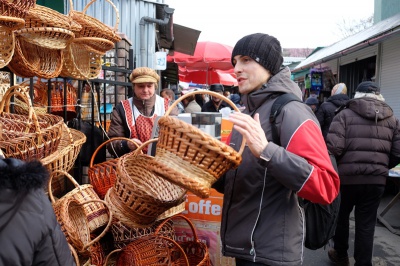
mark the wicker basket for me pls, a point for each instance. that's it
(144, 193)
(39, 99)
(96, 214)
(195, 250)
(189, 157)
(22, 141)
(151, 250)
(81, 61)
(16, 8)
(71, 214)
(7, 43)
(102, 176)
(58, 101)
(63, 159)
(92, 27)
(123, 234)
(30, 60)
(46, 37)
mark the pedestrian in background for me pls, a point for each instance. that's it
(364, 138)
(326, 111)
(170, 95)
(190, 104)
(215, 104)
(313, 102)
(262, 222)
(29, 231)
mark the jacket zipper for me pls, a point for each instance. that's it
(253, 250)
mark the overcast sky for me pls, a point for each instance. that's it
(296, 24)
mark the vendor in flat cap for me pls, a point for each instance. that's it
(134, 117)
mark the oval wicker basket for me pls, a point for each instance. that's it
(96, 214)
(72, 217)
(7, 43)
(46, 37)
(30, 60)
(189, 157)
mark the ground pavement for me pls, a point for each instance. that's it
(386, 244)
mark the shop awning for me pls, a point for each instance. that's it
(371, 36)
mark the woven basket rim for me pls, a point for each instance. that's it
(17, 23)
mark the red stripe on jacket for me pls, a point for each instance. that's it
(308, 143)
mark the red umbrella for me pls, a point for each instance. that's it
(225, 77)
(206, 55)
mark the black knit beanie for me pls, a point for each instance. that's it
(263, 48)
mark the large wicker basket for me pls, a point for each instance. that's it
(189, 157)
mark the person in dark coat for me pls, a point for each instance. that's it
(326, 111)
(313, 102)
(29, 232)
(364, 137)
(215, 104)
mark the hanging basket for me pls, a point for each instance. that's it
(41, 16)
(58, 101)
(32, 136)
(92, 27)
(96, 214)
(144, 193)
(81, 61)
(7, 43)
(189, 157)
(30, 60)
(46, 37)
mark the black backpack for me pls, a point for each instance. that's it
(320, 219)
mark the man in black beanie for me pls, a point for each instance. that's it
(262, 223)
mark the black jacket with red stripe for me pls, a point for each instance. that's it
(262, 220)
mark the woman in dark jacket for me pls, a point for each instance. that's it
(326, 111)
(29, 231)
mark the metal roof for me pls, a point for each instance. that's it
(368, 37)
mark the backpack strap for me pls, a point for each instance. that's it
(276, 108)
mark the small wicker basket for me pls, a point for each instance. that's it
(96, 214)
(189, 157)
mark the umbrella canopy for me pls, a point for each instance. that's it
(225, 77)
(206, 55)
(210, 63)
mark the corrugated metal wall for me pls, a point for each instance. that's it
(390, 73)
(130, 13)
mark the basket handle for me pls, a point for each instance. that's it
(97, 238)
(111, 3)
(76, 184)
(109, 256)
(105, 143)
(74, 254)
(140, 148)
(178, 216)
(22, 92)
(214, 94)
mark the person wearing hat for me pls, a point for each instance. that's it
(326, 110)
(215, 104)
(313, 102)
(262, 222)
(364, 135)
(134, 117)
